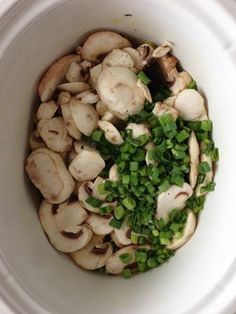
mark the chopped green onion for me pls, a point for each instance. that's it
(96, 136)
(204, 167)
(105, 210)
(152, 263)
(164, 186)
(178, 154)
(127, 273)
(126, 258)
(143, 171)
(115, 223)
(208, 187)
(157, 132)
(109, 197)
(143, 139)
(142, 267)
(134, 238)
(206, 125)
(125, 179)
(192, 85)
(178, 180)
(94, 202)
(119, 212)
(134, 165)
(167, 122)
(215, 154)
(141, 255)
(101, 188)
(155, 233)
(129, 203)
(144, 78)
(182, 136)
(171, 134)
(133, 180)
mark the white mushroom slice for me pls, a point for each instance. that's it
(174, 198)
(74, 87)
(114, 265)
(190, 104)
(138, 129)
(182, 79)
(111, 133)
(54, 76)
(101, 108)
(161, 109)
(95, 190)
(137, 59)
(113, 173)
(82, 145)
(84, 115)
(83, 194)
(194, 151)
(118, 57)
(123, 235)
(94, 255)
(209, 175)
(145, 51)
(86, 166)
(117, 88)
(99, 224)
(94, 74)
(168, 66)
(48, 173)
(64, 102)
(110, 117)
(54, 134)
(145, 90)
(162, 50)
(101, 43)
(35, 140)
(170, 101)
(188, 231)
(46, 110)
(75, 73)
(87, 97)
(65, 241)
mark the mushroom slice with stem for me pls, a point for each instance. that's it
(84, 192)
(138, 129)
(64, 102)
(87, 97)
(162, 50)
(69, 240)
(100, 224)
(117, 88)
(122, 236)
(111, 133)
(194, 151)
(75, 73)
(83, 145)
(118, 57)
(54, 134)
(94, 255)
(182, 79)
(95, 191)
(35, 140)
(161, 109)
(113, 173)
(145, 90)
(190, 105)
(84, 115)
(110, 117)
(54, 76)
(174, 198)
(46, 110)
(74, 87)
(94, 74)
(101, 108)
(101, 43)
(188, 231)
(86, 166)
(48, 173)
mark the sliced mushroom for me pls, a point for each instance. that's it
(84, 115)
(190, 105)
(95, 190)
(161, 109)
(136, 57)
(162, 50)
(188, 231)
(138, 129)
(174, 198)
(54, 76)
(145, 90)
(73, 239)
(170, 101)
(64, 102)
(110, 117)
(113, 173)
(118, 57)
(168, 66)
(101, 108)
(88, 97)
(145, 51)
(54, 134)
(117, 88)
(101, 43)
(35, 140)
(83, 194)
(74, 87)
(194, 151)
(94, 255)
(48, 173)
(122, 236)
(46, 110)
(182, 79)
(111, 133)
(86, 166)
(94, 74)
(99, 224)
(82, 145)
(75, 73)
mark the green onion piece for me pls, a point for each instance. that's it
(142, 267)
(133, 180)
(182, 136)
(105, 210)
(119, 212)
(94, 202)
(192, 85)
(178, 154)
(178, 180)
(141, 255)
(121, 166)
(109, 197)
(162, 147)
(167, 122)
(129, 203)
(149, 199)
(101, 188)
(142, 240)
(157, 132)
(134, 238)
(127, 273)
(171, 134)
(164, 186)
(115, 223)
(215, 154)
(181, 147)
(143, 139)
(143, 171)
(204, 167)
(96, 136)
(206, 125)
(139, 156)
(134, 166)
(125, 179)
(208, 187)
(155, 233)
(152, 263)
(144, 78)
(126, 258)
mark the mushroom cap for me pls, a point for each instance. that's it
(74, 87)
(188, 231)
(54, 76)
(138, 129)
(190, 104)
(117, 88)
(87, 97)
(99, 224)
(122, 236)
(35, 140)
(48, 173)
(84, 115)
(86, 166)
(68, 239)
(136, 57)
(95, 190)
(94, 74)
(101, 43)
(75, 73)
(161, 109)
(111, 133)
(46, 110)
(113, 173)
(94, 255)
(145, 90)
(84, 192)
(118, 57)
(54, 134)
(194, 152)
(174, 198)
(162, 50)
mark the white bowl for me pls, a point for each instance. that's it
(201, 278)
